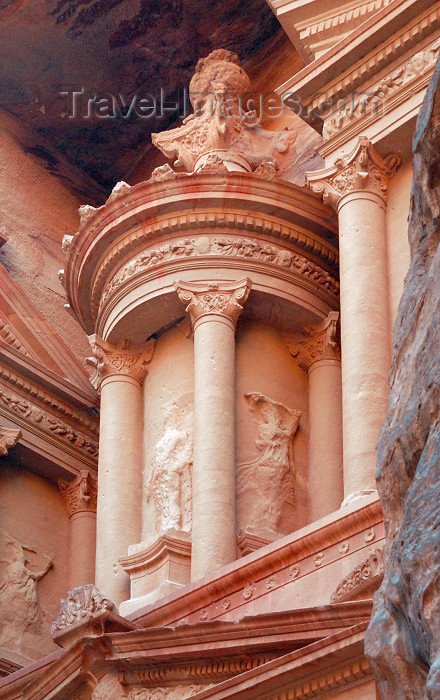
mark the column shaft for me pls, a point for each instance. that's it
(325, 439)
(119, 481)
(213, 518)
(82, 548)
(365, 340)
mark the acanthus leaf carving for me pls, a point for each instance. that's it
(364, 169)
(80, 603)
(81, 493)
(8, 438)
(321, 344)
(214, 298)
(122, 359)
(220, 125)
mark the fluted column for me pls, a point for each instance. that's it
(80, 495)
(120, 372)
(356, 186)
(320, 356)
(214, 309)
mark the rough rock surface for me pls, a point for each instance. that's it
(403, 640)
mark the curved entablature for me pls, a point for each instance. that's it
(221, 224)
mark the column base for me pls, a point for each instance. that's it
(356, 495)
(158, 568)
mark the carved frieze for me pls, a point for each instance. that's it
(214, 298)
(8, 438)
(322, 344)
(79, 604)
(122, 359)
(374, 99)
(266, 486)
(363, 576)
(81, 493)
(245, 248)
(364, 169)
(180, 692)
(63, 430)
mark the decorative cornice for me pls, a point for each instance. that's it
(228, 247)
(322, 344)
(81, 602)
(363, 170)
(366, 574)
(8, 438)
(8, 335)
(123, 359)
(81, 493)
(214, 298)
(418, 68)
(29, 411)
(324, 683)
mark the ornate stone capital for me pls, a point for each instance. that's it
(81, 602)
(122, 359)
(81, 493)
(214, 298)
(363, 170)
(8, 438)
(322, 344)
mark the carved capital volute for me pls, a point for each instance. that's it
(81, 493)
(364, 170)
(322, 344)
(123, 359)
(224, 299)
(8, 438)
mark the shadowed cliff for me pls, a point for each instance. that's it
(403, 639)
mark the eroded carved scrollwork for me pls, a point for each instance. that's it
(322, 344)
(81, 493)
(122, 359)
(81, 602)
(20, 610)
(214, 298)
(363, 169)
(180, 692)
(221, 130)
(266, 486)
(363, 576)
(228, 246)
(8, 438)
(169, 487)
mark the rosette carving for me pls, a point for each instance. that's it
(322, 344)
(363, 169)
(217, 298)
(122, 359)
(81, 493)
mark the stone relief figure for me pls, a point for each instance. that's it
(20, 610)
(170, 482)
(265, 486)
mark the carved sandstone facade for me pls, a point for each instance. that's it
(225, 539)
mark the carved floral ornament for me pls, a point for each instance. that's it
(322, 344)
(8, 438)
(214, 298)
(81, 493)
(123, 359)
(81, 602)
(364, 169)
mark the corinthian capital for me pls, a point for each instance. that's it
(81, 493)
(364, 169)
(322, 344)
(214, 298)
(122, 359)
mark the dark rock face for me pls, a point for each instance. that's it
(403, 640)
